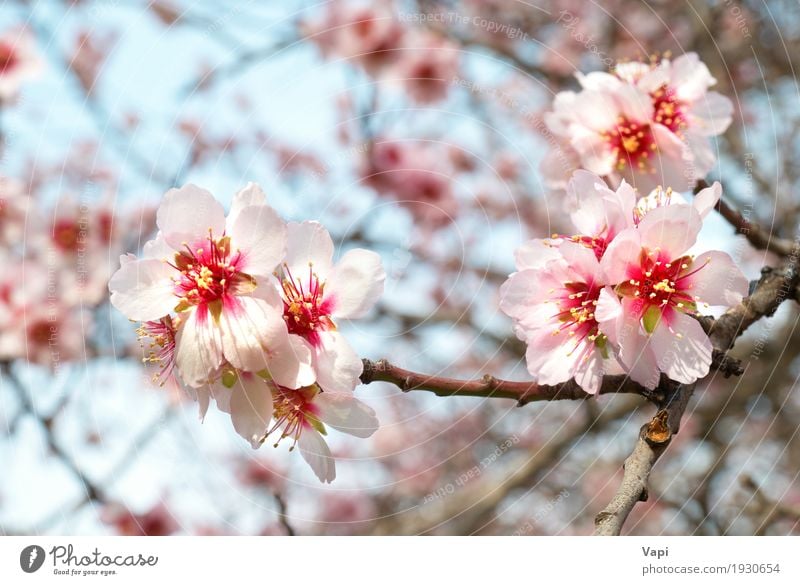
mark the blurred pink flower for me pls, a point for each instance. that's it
(19, 62)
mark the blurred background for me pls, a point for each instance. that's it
(411, 128)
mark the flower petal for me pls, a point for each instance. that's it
(251, 407)
(290, 362)
(317, 454)
(249, 327)
(684, 352)
(187, 214)
(707, 199)
(198, 348)
(260, 234)
(337, 364)
(718, 280)
(143, 290)
(672, 229)
(345, 413)
(355, 284)
(250, 194)
(309, 243)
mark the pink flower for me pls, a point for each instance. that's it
(660, 288)
(14, 207)
(426, 70)
(215, 274)
(317, 294)
(610, 129)
(682, 102)
(302, 416)
(552, 302)
(18, 62)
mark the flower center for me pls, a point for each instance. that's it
(668, 109)
(632, 143)
(294, 412)
(209, 271)
(43, 332)
(8, 58)
(305, 311)
(659, 284)
(576, 303)
(68, 233)
(161, 349)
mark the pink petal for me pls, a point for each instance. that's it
(684, 352)
(143, 290)
(707, 199)
(622, 253)
(672, 229)
(187, 214)
(711, 115)
(535, 254)
(690, 77)
(718, 280)
(355, 284)
(345, 413)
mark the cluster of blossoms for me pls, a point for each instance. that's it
(622, 294)
(55, 272)
(370, 35)
(244, 310)
(649, 123)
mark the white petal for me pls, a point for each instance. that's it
(249, 326)
(707, 199)
(317, 454)
(337, 364)
(345, 413)
(718, 280)
(290, 363)
(690, 77)
(187, 214)
(608, 314)
(260, 234)
(158, 249)
(198, 348)
(251, 408)
(684, 353)
(355, 284)
(535, 254)
(635, 351)
(711, 115)
(143, 290)
(251, 194)
(309, 243)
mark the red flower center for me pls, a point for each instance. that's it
(294, 411)
(632, 143)
(8, 58)
(209, 271)
(668, 109)
(576, 303)
(305, 311)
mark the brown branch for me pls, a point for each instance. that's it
(774, 287)
(491, 387)
(755, 234)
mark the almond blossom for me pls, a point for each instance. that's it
(318, 294)
(649, 123)
(19, 62)
(214, 273)
(302, 415)
(682, 102)
(657, 290)
(552, 300)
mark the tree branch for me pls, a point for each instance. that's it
(774, 287)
